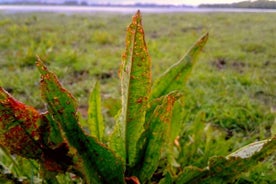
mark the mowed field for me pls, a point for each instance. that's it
(232, 88)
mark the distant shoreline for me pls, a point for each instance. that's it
(245, 4)
(121, 9)
(150, 5)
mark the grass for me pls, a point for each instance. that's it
(231, 95)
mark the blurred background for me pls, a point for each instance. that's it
(232, 89)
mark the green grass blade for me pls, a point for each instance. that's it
(136, 86)
(157, 136)
(175, 77)
(100, 163)
(95, 117)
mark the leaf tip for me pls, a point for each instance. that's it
(204, 38)
(40, 65)
(138, 13)
(137, 18)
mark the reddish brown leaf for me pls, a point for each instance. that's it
(19, 127)
(132, 180)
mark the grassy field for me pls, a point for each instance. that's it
(232, 88)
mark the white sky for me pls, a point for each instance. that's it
(197, 2)
(186, 2)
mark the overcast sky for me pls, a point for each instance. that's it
(176, 2)
(189, 2)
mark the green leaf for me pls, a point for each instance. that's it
(136, 86)
(117, 139)
(157, 136)
(177, 119)
(100, 163)
(175, 77)
(55, 133)
(95, 117)
(173, 135)
(191, 175)
(227, 169)
(168, 179)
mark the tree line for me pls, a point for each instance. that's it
(263, 4)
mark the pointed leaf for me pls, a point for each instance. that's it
(157, 136)
(95, 117)
(136, 86)
(100, 163)
(19, 127)
(249, 150)
(175, 77)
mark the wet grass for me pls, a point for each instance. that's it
(232, 88)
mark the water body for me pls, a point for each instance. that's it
(113, 9)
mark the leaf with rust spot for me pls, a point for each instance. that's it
(157, 133)
(136, 85)
(132, 180)
(19, 127)
(100, 163)
(176, 76)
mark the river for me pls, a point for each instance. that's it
(114, 9)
